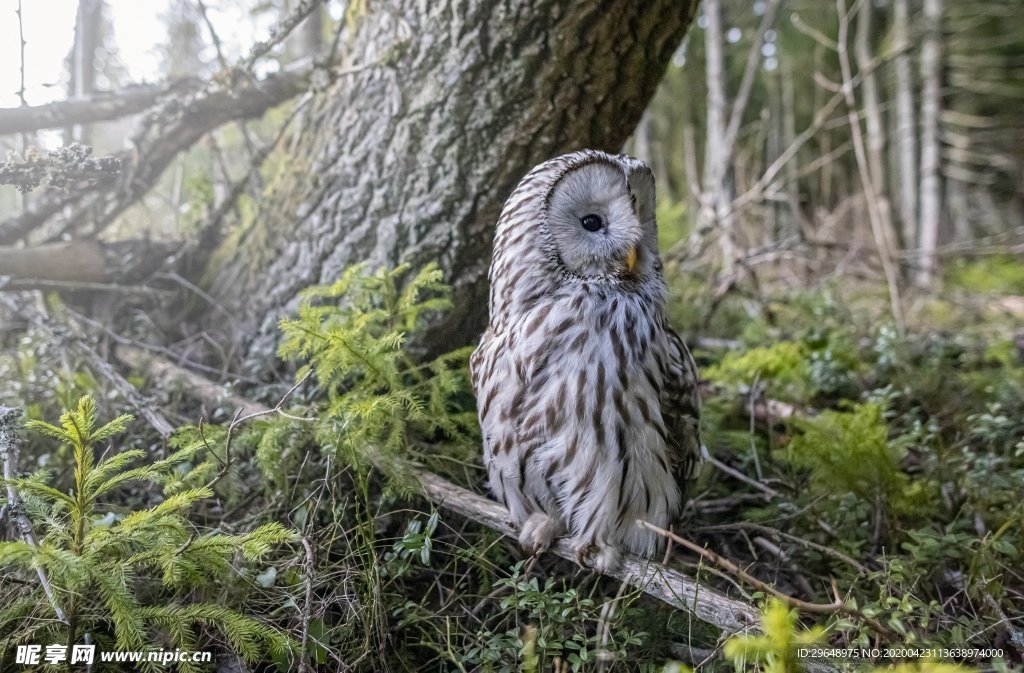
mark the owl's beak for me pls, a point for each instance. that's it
(631, 258)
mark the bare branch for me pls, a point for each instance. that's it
(45, 206)
(21, 46)
(173, 128)
(835, 607)
(739, 105)
(279, 32)
(94, 108)
(62, 334)
(821, 117)
(878, 219)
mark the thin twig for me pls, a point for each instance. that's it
(279, 32)
(775, 532)
(816, 608)
(736, 474)
(308, 569)
(753, 64)
(63, 334)
(871, 191)
(9, 455)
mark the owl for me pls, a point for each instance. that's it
(587, 400)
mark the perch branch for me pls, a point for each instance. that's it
(9, 455)
(665, 584)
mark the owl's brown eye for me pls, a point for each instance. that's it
(591, 222)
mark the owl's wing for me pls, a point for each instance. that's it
(680, 407)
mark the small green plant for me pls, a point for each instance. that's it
(354, 335)
(130, 581)
(380, 404)
(559, 623)
(849, 452)
(777, 651)
(783, 365)
(996, 274)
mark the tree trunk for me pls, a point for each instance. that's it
(931, 143)
(874, 130)
(716, 203)
(410, 156)
(83, 61)
(906, 130)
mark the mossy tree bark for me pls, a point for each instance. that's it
(409, 156)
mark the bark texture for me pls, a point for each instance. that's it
(409, 157)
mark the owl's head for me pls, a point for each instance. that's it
(599, 217)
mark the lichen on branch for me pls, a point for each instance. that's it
(61, 168)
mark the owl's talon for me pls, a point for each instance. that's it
(607, 559)
(538, 532)
(580, 551)
(604, 558)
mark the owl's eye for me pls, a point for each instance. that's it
(591, 222)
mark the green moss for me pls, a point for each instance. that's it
(782, 365)
(1001, 274)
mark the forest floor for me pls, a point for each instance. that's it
(866, 473)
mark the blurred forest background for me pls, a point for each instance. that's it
(268, 248)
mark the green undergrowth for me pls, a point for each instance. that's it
(141, 579)
(899, 470)
(894, 481)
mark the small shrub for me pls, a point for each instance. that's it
(131, 581)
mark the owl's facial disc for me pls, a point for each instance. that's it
(593, 224)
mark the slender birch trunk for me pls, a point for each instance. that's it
(931, 143)
(874, 127)
(715, 202)
(906, 126)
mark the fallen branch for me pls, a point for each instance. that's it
(97, 107)
(85, 262)
(665, 584)
(15, 507)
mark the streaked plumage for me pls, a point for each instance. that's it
(587, 399)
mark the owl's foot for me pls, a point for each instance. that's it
(538, 532)
(604, 558)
